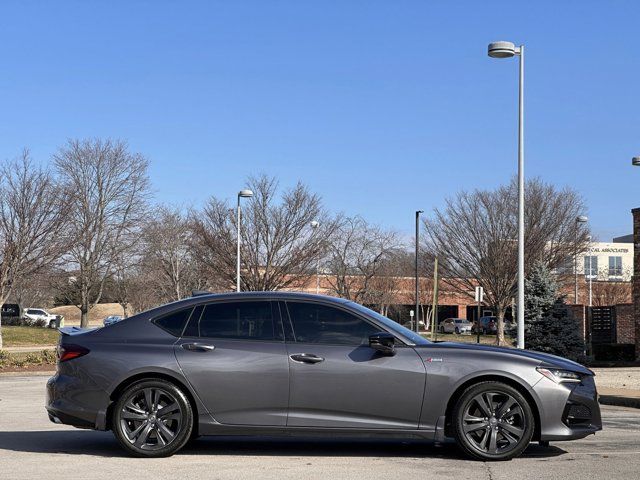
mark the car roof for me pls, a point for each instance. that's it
(270, 295)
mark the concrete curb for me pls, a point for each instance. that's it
(28, 373)
(618, 401)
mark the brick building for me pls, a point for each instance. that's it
(636, 277)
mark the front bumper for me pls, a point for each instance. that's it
(568, 411)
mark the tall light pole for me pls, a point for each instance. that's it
(315, 224)
(579, 219)
(241, 194)
(508, 50)
(589, 252)
(418, 212)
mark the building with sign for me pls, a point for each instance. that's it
(607, 261)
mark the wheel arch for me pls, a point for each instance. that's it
(493, 377)
(152, 375)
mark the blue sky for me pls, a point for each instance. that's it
(382, 107)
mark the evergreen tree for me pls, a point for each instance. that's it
(550, 326)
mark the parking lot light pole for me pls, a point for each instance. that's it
(315, 224)
(418, 212)
(508, 50)
(579, 219)
(241, 194)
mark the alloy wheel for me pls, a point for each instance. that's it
(151, 418)
(494, 422)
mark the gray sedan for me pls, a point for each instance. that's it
(274, 363)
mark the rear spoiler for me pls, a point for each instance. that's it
(70, 331)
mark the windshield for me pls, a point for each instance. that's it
(413, 336)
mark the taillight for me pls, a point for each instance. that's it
(69, 352)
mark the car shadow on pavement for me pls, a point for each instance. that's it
(87, 442)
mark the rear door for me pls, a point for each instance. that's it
(337, 380)
(233, 354)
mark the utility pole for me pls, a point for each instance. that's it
(434, 308)
(418, 212)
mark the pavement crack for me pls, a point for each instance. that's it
(489, 472)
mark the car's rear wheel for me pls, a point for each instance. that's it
(152, 418)
(493, 421)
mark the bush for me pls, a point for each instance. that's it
(23, 322)
(615, 352)
(45, 357)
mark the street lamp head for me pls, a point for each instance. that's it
(503, 50)
(315, 224)
(582, 219)
(635, 161)
(245, 193)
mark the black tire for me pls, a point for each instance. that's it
(501, 429)
(132, 413)
(457, 331)
(53, 324)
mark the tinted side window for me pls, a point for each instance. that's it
(174, 322)
(314, 323)
(239, 320)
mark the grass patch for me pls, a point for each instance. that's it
(9, 360)
(28, 336)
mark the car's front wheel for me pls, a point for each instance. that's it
(153, 418)
(493, 421)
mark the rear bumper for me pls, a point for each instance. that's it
(568, 411)
(76, 401)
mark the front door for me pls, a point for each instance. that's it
(337, 380)
(234, 356)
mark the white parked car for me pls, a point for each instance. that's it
(455, 325)
(39, 316)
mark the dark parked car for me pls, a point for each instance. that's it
(274, 363)
(487, 325)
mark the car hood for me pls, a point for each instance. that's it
(545, 359)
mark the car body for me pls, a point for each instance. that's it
(281, 363)
(488, 325)
(40, 317)
(455, 325)
(111, 319)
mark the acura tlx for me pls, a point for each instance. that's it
(275, 363)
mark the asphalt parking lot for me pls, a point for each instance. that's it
(33, 448)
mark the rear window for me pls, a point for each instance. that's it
(174, 322)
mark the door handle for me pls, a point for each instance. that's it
(197, 347)
(306, 358)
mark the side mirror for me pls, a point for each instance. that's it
(383, 342)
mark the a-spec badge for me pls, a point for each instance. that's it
(430, 359)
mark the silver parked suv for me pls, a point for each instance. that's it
(277, 363)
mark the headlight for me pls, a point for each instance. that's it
(560, 376)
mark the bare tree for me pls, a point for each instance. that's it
(279, 247)
(32, 222)
(357, 254)
(610, 293)
(475, 238)
(124, 272)
(108, 189)
(168, 261)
